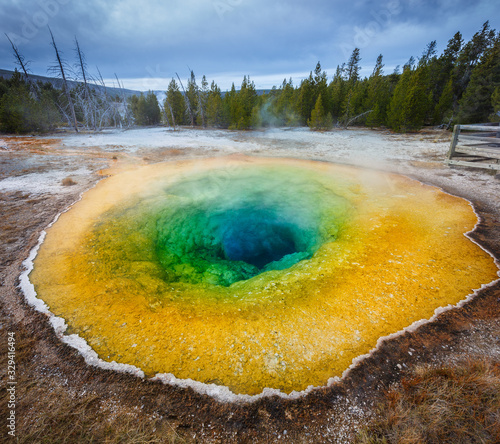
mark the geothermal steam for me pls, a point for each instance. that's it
(254, 273)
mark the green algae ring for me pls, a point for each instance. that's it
(254, 272)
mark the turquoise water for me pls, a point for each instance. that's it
(221, 227)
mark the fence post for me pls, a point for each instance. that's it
(454, 141)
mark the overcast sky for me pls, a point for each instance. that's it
(146, 42)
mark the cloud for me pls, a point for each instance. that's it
(157, 38)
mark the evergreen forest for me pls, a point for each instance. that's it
(460, 85)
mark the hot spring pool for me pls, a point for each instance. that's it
(255, 272)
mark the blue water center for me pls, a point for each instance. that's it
(254, 221)
(257, 236)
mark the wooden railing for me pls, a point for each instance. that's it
(478, 149)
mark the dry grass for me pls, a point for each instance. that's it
(48, 412)
(68, 421)
(453, 404)
(65, 420)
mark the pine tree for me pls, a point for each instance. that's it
(214, 107)
(443, 112)
(286, 106)
(229, 108)
(256, 118)
(317, 115)
(444, 99)
(337, 91)
(145, 109)
(476, 104)
(352, 69)
(418, 101)
(378, 96)
(306, 98)
(175, 101)
(397, 101)
(141, 114)
(192, 98)
(21, 113)
(354, 96)
(406, 110)
(153, 112)
(321, 86)
(428, 69)
(469, 57)
(319, 120)
(202, 101)
(495, 102)
(242, 104)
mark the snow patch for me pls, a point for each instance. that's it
(41, 183)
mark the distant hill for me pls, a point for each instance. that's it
(259, 92)
(57, 84)
(160, 94)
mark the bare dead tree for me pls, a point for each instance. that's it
(88, 104)
(101, 80)
(171, 113)
(118, 81)
(448, 125)
(20, 60)
(103, 111)
(107, 108)
(353, 119)
(123, 98)
(127, 111)
(60, 69)
(187, 101)
(164, 112)
(63, 112)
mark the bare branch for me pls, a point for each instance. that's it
(120, 85)
(24, 66)
(356, 118)
(88, 102)
(171, 112)
(101, 80)
(65, 83)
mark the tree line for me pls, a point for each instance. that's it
(27, 106)
(460, 85)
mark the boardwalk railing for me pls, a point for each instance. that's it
(476, 146)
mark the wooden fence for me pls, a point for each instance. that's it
(476, 146)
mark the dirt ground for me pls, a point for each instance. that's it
(53, 377)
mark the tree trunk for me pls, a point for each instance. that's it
(65, 82)
(88, 96)
(20, 61)
(356, 118)
(171, 113)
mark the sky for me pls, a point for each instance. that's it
(145, 43)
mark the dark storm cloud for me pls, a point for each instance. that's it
(269, 40)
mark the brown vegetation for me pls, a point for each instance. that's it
(457, 404)
(68, 181)
(51, 413)
(62, 399)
